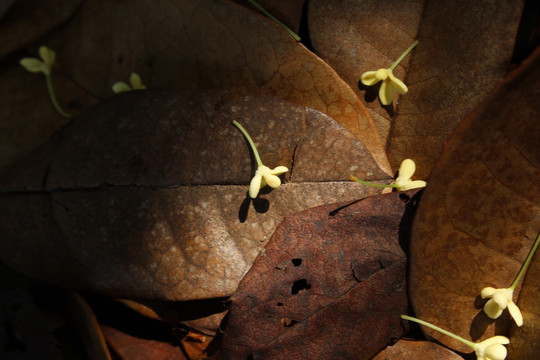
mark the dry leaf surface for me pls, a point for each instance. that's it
(333, 274)
(480, 212)
(144, 196)
(208, 45)
(414, 349)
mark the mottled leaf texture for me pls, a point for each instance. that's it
(465, 48)
(329, 285)
(206, 44)
(413, 349)
(480, 212)
(144, 195)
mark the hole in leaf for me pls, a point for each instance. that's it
(288, 322)
(298, 285)
(404, 197)
(296, 262)
(250, 357)
(279, 304)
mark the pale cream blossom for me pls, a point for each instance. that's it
(500, 299)
(135, 81)
(403, 181)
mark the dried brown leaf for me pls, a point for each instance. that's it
(144, 196)
(333, 275)
(480, 212)
(411, 349)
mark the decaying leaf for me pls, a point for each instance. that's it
(480, 212)
(144, 196)
(206, 44)
(411, 349)
(330, 284)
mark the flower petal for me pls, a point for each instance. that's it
(386, 93)
(136, 82)
(496, 352)
(120, 87)
(492, 309)
(47, 55)
(279, 170)
(406, 169)
(515, 313)
(412, 185)
(255, 185)
(272, 180)
(398, 84)
(33, 65)
(487, 292)
(368, 78)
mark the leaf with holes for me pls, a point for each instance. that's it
(144, 195)
(333, 275)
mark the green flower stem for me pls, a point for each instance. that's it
(53, 97)
(404, 54)
(250, 141)
(267, 14)
(354, 178)
(445, 332)
(525, 264)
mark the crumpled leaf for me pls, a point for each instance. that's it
(465, 48)
(333, 275)
(28, 20)
(144, 196)
(411, 349)
(480, 213)
(208, 45)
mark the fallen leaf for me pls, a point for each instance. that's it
(480, 212)
(414, 349)
(464, 50)
(129, 347)
(333, 275)
(144, 196)
(28, 20)
(288, 12)
(207, 45)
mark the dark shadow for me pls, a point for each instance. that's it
(479, 325)
(411, 199)
(303, 30)
(260, 205)
(372, 93)
(337, 210)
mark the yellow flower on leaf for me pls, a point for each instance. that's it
(489, 349)
(500, 299)
(44, 65)
(390, 83)
(264, 175)
(136, 84)
(403, 181)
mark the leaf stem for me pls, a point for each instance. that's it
(250, 141)
(267, 14)
(403, 55)
(354, 178)
(53, 97)
(445, 332)
(525, 264)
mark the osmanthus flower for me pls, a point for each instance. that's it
(264, 175)
(500, 299)
(390, 83)
(489, 349)
(135, 81)
(44, 65)
(403, 181)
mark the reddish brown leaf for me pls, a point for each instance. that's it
(330, 284)
(407, 349)
(480, 212)
(121, 202)
(207, 45)
(288, 12)
(128, 347)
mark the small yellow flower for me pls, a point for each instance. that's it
(264, 175)
(492, 348)
(390, 83)
(500, 299)
(44, 65)
(489, 349)
(136, 84)
(403, 181)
